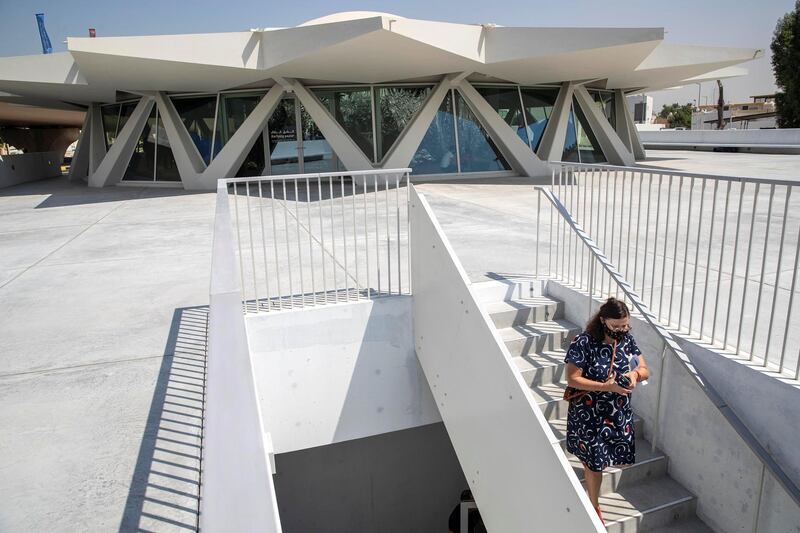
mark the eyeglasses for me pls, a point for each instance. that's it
(621, 329)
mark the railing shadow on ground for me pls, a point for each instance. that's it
(164, 493)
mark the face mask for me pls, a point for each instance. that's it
(616, 335)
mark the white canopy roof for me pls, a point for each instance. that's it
(360, 47)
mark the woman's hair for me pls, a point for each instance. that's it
(613, 309)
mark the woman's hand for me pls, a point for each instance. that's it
(633, 375)
(610, 385)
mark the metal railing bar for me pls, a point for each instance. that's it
(763, 272)
(652, 170)
(777, 277)
(670, 342)
(747, 265)
(721, 256)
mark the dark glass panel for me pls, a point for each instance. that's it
(396, 107)
(505, 100)
(437, 151)
(477, 151)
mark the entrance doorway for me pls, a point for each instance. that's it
(294, 143)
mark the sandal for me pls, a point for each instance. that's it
(600, 514)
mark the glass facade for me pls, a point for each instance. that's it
(197, 115)
(538, 104)
(456, 142)
(605, 101)
(233, 110)
(437, 151)
(114, 118)
(282, 127)
(395, 107)
(477, 152)
(506, 101)
(352, 109)
(152, 157)
(318, 155)
(580, 144)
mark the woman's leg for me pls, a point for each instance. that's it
(593, 480)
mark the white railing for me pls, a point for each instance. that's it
(715, 257)
(569, 231)
(312, 239)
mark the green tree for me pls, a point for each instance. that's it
(678, 115)
(785, 60)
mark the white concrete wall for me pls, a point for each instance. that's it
(516, 468)
(237, 493)
(778, 137)
(706, 453)
(339, 372)
(768, 405)
(21, 168)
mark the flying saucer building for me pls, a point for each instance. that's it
(355, 91)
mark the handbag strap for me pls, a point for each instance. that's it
(613, 353)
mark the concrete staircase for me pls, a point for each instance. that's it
(640, 497)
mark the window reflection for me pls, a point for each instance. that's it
(476, 150)
(538, 103)
(352, 109)
(580, 144)
(437, 151)
(605, 101)
(197, 115)
(506, 101)
(396, 106)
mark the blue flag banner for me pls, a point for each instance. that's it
(47, 48)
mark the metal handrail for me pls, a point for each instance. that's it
(271, 212)
(720, 246)
(669, 342)
(667, 171)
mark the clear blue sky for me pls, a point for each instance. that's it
(707, 22)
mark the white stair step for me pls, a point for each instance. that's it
(519, 311)
(649, 465)
(648, 505)
(694, 525)
(530, 339)
(548, 366)
(549, 398)
(498, 290)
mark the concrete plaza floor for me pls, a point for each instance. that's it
(102, 338)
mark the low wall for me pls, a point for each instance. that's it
(768, 141)
(767, 404)
(339, 372)
(22, 168)
(706, 453)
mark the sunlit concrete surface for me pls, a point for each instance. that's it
(102, 332)
(726, 163)
(103, 295)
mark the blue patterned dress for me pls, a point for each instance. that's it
(600, 426)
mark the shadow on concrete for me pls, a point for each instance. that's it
(60, 192)
(165, 490)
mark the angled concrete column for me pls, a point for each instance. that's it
(97, 140)
(621, 119)
(79, 167)
(551, 147)
(636, 143)
(613, 148)
(188, 159)
(230, 158)
(401, 154)
(113, 166)
(194, 173)
(518, 154)
(340, 142)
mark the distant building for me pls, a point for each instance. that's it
(641, 107)
(758, 114)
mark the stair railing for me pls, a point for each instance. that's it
(574, 231)
(685, 235)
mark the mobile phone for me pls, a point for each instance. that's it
(624, 381)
